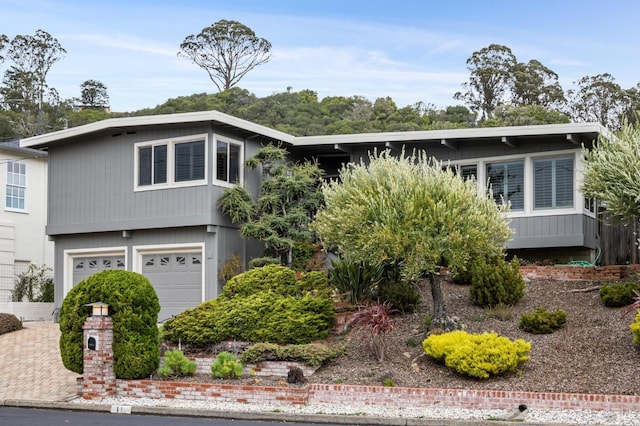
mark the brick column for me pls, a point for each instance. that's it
(98, 376)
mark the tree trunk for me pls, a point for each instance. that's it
(440, 319)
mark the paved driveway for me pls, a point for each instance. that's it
(30, 365)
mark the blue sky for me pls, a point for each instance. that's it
(409, 50)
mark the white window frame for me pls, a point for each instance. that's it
(23, 187)
(229, 141)
(70, 255)
(529, 211)
(139, 251)
(554, 181)
(171, 182)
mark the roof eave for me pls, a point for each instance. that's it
(151, 120)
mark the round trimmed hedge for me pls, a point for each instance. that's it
(133, 305)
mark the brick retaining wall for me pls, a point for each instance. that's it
(263, 368)
(376, 396)
(587, 273)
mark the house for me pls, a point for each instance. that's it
(23, 241)
(140, 193)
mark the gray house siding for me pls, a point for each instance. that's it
(575, 230)
(92, 184)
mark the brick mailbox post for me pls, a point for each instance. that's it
(98, 376)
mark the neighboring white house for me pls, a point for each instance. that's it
(23, 216)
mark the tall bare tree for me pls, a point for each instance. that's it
(227, 51)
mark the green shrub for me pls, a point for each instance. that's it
(635, 328)
(9, 323)
(356, 280)
(314, 354)
(498, 283)
(176, 364)
(402, 295)
(462, 276)
(316, 283)
(226, 366)
(259, 262)
(262, 317)
(135, 308)
(275, 278)
(34, 285)
(477, 355)
(542, 321)
(618, 295)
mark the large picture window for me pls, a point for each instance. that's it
(16, 185)
(228, 162)
(553, 183)
(171, 163)
(507, 183)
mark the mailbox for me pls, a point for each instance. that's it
(92, 343)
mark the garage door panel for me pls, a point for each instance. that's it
(84, 267)
(177, 279)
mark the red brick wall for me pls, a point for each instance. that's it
(376, 396)
(588, 273)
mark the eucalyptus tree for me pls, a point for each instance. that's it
(227, 51)
(489, 80)
(412, 210)
(289, 195)
(535, 84)
(598, 99)
(32, 57)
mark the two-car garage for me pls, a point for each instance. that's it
(176, 274)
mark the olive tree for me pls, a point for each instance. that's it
(411, 209)
(611, 172)
(227, 51)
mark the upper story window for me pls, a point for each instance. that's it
(507, 182)
(16, 185)
(553, 183)
(176, 162)
(228, 162)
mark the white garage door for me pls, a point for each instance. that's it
(177, 278)
(84, 267)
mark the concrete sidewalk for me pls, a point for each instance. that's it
(31, 367)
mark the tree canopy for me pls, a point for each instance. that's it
(612, 173)
(412, 210)
(289, 195)
(227, 51)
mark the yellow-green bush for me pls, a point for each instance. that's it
(477, 355)
(635, 328)
(542, 321)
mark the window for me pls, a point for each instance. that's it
(171, 163)
(469, 171)
(16, 185)
(228, 162)
(507, 183)
(189, 161)
(553, 183)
